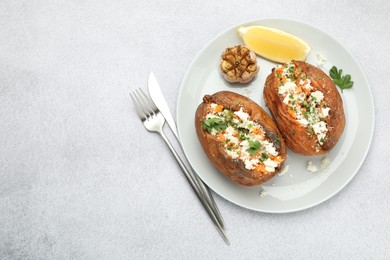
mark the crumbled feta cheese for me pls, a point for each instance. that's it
(210, 115)
(234, 140)
(286, 99)
(242, 115)
(235, 121)
(300, 118)
(307, 85)
(270, 148)
(319, 127)
(270, 165)
(229, 131)
(303, 121)
(320, 130)
(311, 167)
(250, 164)
(263, 193)
(249, 124)
(301, 97)
(232, 153)
(318, 95)
(245, 145)
(213, 131)
(325, 111)
(287, 88)
(324, 165)
(321, 59)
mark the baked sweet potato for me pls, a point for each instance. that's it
(306, 107)
(239, 138)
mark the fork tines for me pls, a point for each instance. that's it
(144, 106)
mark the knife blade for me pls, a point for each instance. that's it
(158, 99)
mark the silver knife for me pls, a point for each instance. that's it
(158, 98)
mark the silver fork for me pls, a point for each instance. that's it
(154, 121)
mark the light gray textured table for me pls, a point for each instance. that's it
(80, 178)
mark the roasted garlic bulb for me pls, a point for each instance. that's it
(238, 64)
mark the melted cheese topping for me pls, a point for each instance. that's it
(243, 139)
(305, 105)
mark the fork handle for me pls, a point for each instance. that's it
(195, 188)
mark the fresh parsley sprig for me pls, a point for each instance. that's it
(214, 122)
(342, 81)
(254, 146)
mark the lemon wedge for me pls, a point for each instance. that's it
(274, 44)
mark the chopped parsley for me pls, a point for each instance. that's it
(241, 135)
(254, 147)
(264, 156)
(229, 115)
(217, 123)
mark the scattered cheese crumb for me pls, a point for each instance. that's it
(263, 193)
(324, 165)
(311, 167)
(321, 59)
(283, 170)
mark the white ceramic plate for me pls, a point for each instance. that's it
(297, 189)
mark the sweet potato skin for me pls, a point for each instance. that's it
(235, 169)
(296, 136)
